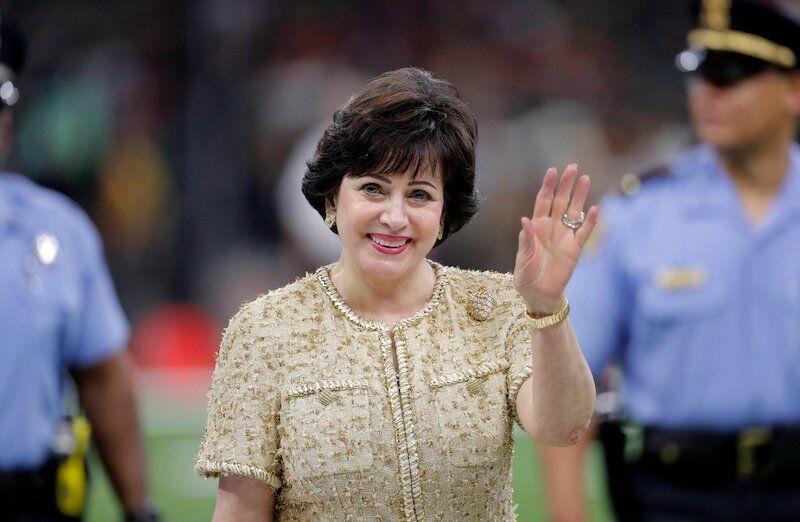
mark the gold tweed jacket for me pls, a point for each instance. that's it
(305, 397)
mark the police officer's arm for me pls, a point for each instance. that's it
(244, 499)
(600, 295)
(555, 404)
(106, 393)
(93, 349)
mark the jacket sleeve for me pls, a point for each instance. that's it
(241, 433)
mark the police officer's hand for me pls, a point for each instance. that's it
(548, 249)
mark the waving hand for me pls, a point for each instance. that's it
(548, 248)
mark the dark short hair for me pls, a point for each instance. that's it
(403, 119)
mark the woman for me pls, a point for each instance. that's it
(384, 385)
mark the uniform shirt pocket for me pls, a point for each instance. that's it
(472, 413)
(681, 293)
(327, 428)
(43, 289)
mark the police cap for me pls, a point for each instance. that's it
(735, 39)
(12, 43)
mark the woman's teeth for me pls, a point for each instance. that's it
(390, 244)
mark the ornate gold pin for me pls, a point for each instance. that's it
(481, 305)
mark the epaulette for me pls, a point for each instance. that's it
(631, 184)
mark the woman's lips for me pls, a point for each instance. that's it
(387, 244)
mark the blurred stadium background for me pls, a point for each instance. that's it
(182, 128)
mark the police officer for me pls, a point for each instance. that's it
(693, 290)
(58, 314)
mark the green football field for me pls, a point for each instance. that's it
(173, 432)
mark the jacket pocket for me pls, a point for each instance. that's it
(327, 428)
(472, 413)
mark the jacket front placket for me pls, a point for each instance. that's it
(398, 385)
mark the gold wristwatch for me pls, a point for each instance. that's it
(540, 322)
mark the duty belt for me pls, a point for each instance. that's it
(751, 454)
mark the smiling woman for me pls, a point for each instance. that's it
(385, 386)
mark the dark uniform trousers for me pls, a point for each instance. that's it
(32, 495)
(657, 475)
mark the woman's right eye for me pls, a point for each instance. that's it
(371, 189)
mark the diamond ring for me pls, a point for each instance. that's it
(574, 224)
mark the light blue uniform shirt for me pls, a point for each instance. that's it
(700, 309)
(58, 310)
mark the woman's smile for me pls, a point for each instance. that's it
(389, 244)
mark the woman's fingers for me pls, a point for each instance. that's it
(579, 198)
(563, 192)
(544, 198)
(583, 233)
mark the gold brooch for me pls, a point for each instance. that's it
(481, 306)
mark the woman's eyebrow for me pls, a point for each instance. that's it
(379, 177)
(389, 181)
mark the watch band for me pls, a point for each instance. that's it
(549, 320)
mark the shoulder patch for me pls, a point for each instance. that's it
(631, 184)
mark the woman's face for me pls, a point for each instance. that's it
(388, 224)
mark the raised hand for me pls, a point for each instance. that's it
(549, 249)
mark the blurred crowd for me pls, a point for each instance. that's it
(183, 127)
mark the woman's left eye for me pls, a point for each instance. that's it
(421, 195)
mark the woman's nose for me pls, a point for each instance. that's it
(394, 216)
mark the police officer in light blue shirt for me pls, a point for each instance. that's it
(58, 310)
(699, 301)
(693, 291)
(59, 315)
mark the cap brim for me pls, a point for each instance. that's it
(722, 68)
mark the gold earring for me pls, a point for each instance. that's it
(440, 235)
(330, 218)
